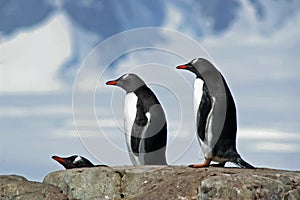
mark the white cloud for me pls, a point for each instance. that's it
(264, 140)
(104, 123)
(43, 110)
(71, 133)
(267, 134)
(246, 54)
(251, 48)
(173, 18)
(277, 147)
(30, 61)
(277, 13)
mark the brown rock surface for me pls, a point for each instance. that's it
(175, 182)
(13, 187)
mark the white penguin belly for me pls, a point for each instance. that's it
(129, 117)
(207, 144)
(206, 149)
(209, 141)
(141, 158)
(198, 92)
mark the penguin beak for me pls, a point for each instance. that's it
(182, 67)
(111, 83)
(58, 159)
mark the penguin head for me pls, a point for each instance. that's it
(198, 66)
(74, 161)
(129, 82)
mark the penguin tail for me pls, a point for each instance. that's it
(243, 164)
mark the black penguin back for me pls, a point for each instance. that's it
(202, 112)
(226, 143)
(148, 103)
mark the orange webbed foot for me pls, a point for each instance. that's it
(205, 164)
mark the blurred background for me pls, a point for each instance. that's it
(45, 44)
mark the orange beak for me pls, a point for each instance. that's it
(182, 67)
(111, 83)
(58, 159)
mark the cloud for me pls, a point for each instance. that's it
(277, 147)
(30, 111)
(267, 134)
(246, 54)
(30, 61)
(268, 141)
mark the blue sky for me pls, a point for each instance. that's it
(43, 48)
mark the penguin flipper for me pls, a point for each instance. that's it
(243, 164)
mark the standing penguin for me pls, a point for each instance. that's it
(215, 115)
(144, 122)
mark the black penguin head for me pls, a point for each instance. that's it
(73, 161)
(198, 66)
(129, 82)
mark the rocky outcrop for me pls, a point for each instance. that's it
(155, 182)
(174, 182)
(18, 188)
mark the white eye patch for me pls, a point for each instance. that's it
(78, 158)
(125, 76)
(195, 60)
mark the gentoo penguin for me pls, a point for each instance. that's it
(75, 161)
(215, 115)
(145, 123)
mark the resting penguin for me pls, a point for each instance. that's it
(144, 122)
(215, 115)
(75, 162)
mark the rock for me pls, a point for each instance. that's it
(176, 182)
(155, 182)
(87, 183)
(251, 184)
(18, 188)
